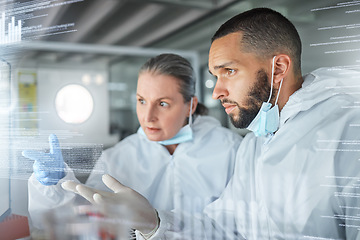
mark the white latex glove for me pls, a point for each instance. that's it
(141, 215)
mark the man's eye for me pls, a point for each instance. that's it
(164, 104)
(141, 101)
(230, 71)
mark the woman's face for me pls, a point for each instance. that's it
(160, 106)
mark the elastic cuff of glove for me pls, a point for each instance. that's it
(148, 235)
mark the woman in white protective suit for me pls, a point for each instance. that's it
(178, 159)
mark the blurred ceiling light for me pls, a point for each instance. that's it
(209, 83)
(86, 79)
(99, 79)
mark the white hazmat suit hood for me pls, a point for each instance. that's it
(318, 86)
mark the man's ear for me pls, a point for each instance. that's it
(282, 67)
(194, 105)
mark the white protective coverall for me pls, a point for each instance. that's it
(303, 183)
(195, 175)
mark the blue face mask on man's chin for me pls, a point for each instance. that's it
(267, 120)
(184, 135)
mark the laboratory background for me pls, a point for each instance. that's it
(70, 67)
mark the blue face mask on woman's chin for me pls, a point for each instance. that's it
(184, 135)
(267, 120)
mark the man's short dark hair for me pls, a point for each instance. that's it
(265, 33)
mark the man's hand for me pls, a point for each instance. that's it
(138, 211)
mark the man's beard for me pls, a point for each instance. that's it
(258, 94)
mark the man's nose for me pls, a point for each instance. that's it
(220, 90)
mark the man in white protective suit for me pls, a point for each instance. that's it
(297, 173)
